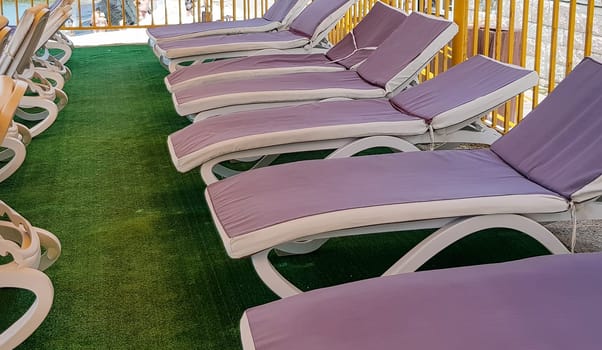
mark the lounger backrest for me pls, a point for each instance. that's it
(374, 28)
(11, 92)
(464, 89)
(409, 48)
(318, 14)
(12, 57)
(56, 19)
(284, 10)
(28, 50)
(559, 144)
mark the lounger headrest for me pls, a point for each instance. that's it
(480, 78)
(409, 48)
(558, 145)
(374, 28)
(280, 10)
(310, 19)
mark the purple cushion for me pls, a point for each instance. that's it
(269, 196)
(403, 45)
(289, 82)
(543, 303)
(280, 9)
(247, 63)
(559, 145)
(373, 29)
(171, 31)
(455, 87)
(310, 18)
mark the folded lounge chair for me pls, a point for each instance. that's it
(277, 17)
(24, 243)
(391, 67)
(353, 49)
(13, 153)
(548, 168)
(15, 61)
(548, 302)
(305, 33)
(447, 108)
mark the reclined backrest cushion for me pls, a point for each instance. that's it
(373, 29)
(280, 9)
(478, 76)
(559, 144)
(313, 15)
(396, 59)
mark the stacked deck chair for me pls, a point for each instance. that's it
(542, 303)
(277, 17)
(306, 32)
(392, 66)
(50, 67)
(352, 50)
(548, 168)
(24, 243)
(57, 47)
(16, 62)
(446, 109)
(13, 144)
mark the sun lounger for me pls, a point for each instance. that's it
(23, 242)
(13, 153)
(352, 50)
(15, 61)
(548, 168)
(391, 67)
(445, 109)
(542, 303)
(277, 17)
(305, 33)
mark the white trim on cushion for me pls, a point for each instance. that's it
(293, 13)
(246, 337)
(243, 98)
(253, 242)
(332, 132)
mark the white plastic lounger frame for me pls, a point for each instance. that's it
(23, 242)
(316, 44)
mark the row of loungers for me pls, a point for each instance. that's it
(27, 66)
(549, 168)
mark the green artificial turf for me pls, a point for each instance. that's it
(142, 266)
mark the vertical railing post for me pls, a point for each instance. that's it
(460, 40)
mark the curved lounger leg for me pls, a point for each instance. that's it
(39, 284)
(271, 277)
(458, 229)
(429, 247)
(16, 149)
(65, 48)
(46, 118)
(264, 161)
(57, 78)
(360, 145)
(52, 248)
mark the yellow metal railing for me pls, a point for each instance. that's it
(549, 36)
